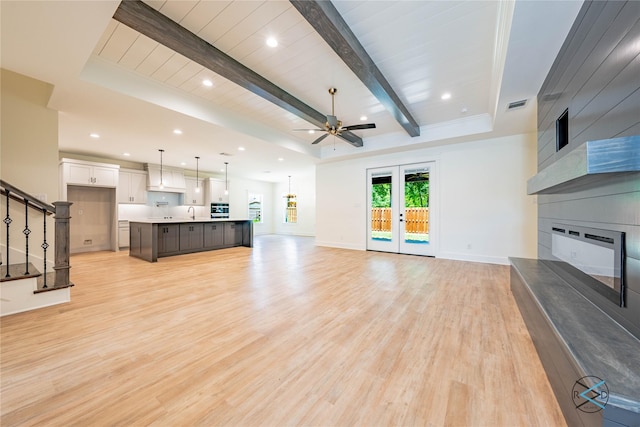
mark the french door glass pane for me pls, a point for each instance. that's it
(416, 206)
(381, 215)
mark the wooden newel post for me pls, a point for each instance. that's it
(62, 236)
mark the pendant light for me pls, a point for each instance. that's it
(226, 180)
(197, 174)
(161, 180)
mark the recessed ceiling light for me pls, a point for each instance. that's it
(207, 82)
(312, 131)
(183, 163)
(363, 118)
(240, 148)
(94, 135)
(126, 154)
(280, 159)
(272, 42)
(445, 96)
(177, 131)
(221, 170)
(464, 110)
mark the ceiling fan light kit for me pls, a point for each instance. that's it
(333, 126)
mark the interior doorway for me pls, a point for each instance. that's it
(399, 209)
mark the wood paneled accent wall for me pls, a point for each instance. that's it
(596, 75)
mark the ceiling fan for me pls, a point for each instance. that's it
(333, 126)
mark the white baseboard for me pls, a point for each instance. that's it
(486, 259)
(339, 245)
(294, 234)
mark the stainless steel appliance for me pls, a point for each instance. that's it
(219, 210)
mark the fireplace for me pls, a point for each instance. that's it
(594, 255)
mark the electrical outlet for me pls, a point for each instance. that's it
(88, 242)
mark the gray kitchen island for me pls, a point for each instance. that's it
(155, 238)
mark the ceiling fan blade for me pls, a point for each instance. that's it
(358, 127)
(333, 121)
(320, 139)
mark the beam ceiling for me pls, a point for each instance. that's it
(153, 24)
(328, 22)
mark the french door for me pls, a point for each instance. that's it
(399, 206)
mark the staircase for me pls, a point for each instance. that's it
(23, 285)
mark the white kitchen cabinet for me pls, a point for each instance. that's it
(216, 189)
(191, 196)
(173, 179)
(123, 234)
(75, 172)
(132, 187)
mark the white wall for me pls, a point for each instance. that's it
(239, 190)
(29, 136)
(28, 160)
(483, 210)
(304, 187)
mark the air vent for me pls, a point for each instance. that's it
(226, 154)
(517, 104)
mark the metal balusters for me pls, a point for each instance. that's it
(61, 234)
(26, 233)
(45, 245)
(7, 221)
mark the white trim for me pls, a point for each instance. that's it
(340, 245)
(485, 259)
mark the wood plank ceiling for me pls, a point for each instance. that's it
(408, 41)
(146, 20)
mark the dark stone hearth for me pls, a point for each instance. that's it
(574, 338)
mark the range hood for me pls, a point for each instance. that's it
(173, 179)
(591, 161)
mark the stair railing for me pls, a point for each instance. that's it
(61, 211)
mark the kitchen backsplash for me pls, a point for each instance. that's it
(160, 205)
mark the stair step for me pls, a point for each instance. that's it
(51, 280)
(17, 271)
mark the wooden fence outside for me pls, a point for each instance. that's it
(416, 220)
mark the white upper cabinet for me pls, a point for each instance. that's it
(132, 187)
(191, 196)
(216, 189)
(76, 172)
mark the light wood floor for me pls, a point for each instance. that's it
(285, 333)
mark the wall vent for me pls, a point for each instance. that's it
(517, 104)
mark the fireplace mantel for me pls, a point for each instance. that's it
(587, 163)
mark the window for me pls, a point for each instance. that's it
(255, 207)
(291, 213)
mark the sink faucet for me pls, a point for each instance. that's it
(194, 212)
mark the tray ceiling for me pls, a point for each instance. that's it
(423, 48)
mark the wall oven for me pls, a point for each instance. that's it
(219, 210)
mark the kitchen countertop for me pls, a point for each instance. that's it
(184, 220)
